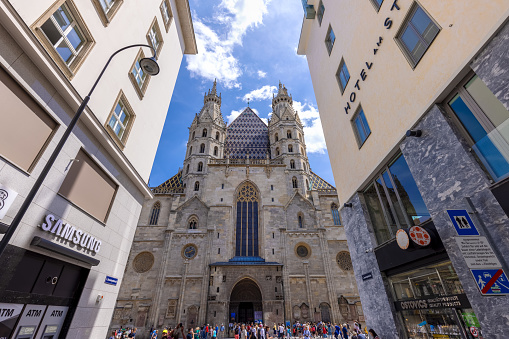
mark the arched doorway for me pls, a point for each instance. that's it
(246, 302)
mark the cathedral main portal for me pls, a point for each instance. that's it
(246, 302)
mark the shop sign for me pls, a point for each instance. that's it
(462, 222)
(111, 281)
(446, 301)
(70, 233)
(402, 239)
(470, 319)
(7, 197)
(491, 282)
(477, 252)
(9, 314)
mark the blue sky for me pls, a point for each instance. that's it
(248, 46)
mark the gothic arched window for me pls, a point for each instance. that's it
(300, 137)
(204, 133)
(246, 236)
(202, 148)
(294, 182)
(307, 184)
(290, 148)
(190, 150)
(289, 134)
(215, 151)
(194, 134)
(335, 214)
(301, 221)
(187, 169)
(200, 166)
(193, 223)
(302, 151)
(276, 137)
(277, 151)
(292, 164)
(154, 214)
(217, 135)
(197, 186)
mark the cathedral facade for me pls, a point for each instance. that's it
(244, 232)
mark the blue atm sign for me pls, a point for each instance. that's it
(111, 281)
(462, 222)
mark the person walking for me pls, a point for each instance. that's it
(345, 332)
(372, 334)
(243, 332)
(154, 334)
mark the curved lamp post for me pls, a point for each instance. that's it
(149, 66)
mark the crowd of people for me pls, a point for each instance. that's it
(258, 331)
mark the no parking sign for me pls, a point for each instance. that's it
(474, 331)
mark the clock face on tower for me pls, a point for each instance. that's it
(189, 251)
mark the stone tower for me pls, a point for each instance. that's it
(206, 140)
(286, 134)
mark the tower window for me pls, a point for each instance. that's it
(190, 150)
(289, 134)
(335, 214)
(194, 134)
(292, 164)
(193, 223)
(204, 133)
(222, 186)
(200, 166)
(187, 169)
(215, 151)
(219, 250)
(290, 148)
(301, 225)
(271, 187)
(246, 233)
(202, 148)
(197, 186)
(154, 214)
(277, 151)
(276, 137)
(217, 135)
(294, 182)
(302, 151)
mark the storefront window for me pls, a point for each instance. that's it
(394, 201)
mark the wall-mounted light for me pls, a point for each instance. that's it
(414, 133)
(347, 204)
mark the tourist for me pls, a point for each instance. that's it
(243, 332)
(222, 331)
(345, 332)
(154, 334)
(372, 334)
(306, 333)
(197, 333)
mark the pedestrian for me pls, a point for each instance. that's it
(154, 334)
(372, 334)
(360, 335)
(345, 332)
(190, 334)
(222, 331)
(237, 332)
(306, 333)
(243, 332)
(214, 333)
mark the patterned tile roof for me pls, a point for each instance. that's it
(318, 183)
(174, 182)
(247, 134)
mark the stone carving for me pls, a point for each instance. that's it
(296, 312)
(172, 308)
(304, 309)
(268, 277)
(278, 279)
(143, 262)
(344, 261)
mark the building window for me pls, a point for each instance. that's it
(166, 14)
(302, 151)
(294, 183)
(416, 34)
(187, 169)
(25, 128)
(289, 134)
(138, 77)
(342, 75)
(215, 151)
(300, 137)
(377, 4)
(154, 37)
(154, 214)
(292, 164)
(321, 11)
(193, 223)
(271, 187)
(394, 201)
(335, 214)
(89, 187)
(330, 38)
(204, 133)
(107, 9)
(202, 148)
(194, 134)
(361, 127)
(299, 218)
(484, 119)
(197, 186)
(290, 148)
(277, 151)
(200, 166)
(121, 120)
(190, 150)
(276, 137)
(307, 182)
(217, 135)
(246, 234)
(65, 36)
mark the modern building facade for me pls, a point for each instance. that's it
(244, 232)
(413, 98)
(60, 273)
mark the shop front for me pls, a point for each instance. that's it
(431, 303)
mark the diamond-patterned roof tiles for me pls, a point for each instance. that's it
(319, 183)
(174, 182)
(247, 134)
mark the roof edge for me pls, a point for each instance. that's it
(186, 24)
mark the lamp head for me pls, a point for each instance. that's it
(149, 66)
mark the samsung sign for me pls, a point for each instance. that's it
(70, 233)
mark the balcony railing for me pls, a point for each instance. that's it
(246, 162)
(170, 190)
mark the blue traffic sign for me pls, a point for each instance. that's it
(111, 281)
(491, 281)
(462, 222)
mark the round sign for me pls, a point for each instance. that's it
(474, 332)
(402, 239)
(420, 236)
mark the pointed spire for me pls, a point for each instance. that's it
(214, 90)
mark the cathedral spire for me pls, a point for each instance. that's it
(281, 97)
(212, 95)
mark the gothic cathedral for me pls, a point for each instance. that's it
(244, 232)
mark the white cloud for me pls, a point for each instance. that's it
(313, 131)
(262, 93)
(215, 55)
(261, 74)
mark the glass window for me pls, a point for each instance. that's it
(342, 76)
(119, 119)
(154, 214)
(330, 38)
(335, 214)
(166, 13)
(417, 34)
(321, 11)
(361, 127)
(106, 5)
(394, 201)
(486, 121)
(154, 37)
(377, 3)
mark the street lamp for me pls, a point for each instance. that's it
(149, 66)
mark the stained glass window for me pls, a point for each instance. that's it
(246, 239)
